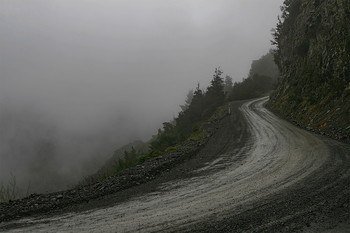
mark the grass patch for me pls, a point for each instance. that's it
(132, 158)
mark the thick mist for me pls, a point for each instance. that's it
(80, 78)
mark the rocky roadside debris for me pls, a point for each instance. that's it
(339, 134)
(149, 170)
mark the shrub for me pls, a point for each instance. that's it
(10, 191)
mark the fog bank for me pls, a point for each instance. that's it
(80, 78)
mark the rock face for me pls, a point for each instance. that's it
(313, 55)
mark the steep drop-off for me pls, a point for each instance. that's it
(313, 55)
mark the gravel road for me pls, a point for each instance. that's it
(258, 173)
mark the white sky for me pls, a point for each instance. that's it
(145, 52)
(122, 66)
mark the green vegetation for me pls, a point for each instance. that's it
(303, 48)
(189, 126)
(312, 53)
(116, 163)
(265, 66)
(200, 106)
(253, 87)
(262, 78)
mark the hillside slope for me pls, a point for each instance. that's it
(255, 173)
(313, 55)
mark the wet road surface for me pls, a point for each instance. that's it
(276, 159)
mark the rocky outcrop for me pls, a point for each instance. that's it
(313, 55)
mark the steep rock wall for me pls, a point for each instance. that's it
(313, 55)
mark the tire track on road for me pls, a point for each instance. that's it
(233, 193)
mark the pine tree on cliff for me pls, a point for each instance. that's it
(192, 115)
(188, 100)
(215, 95)
(197, 105)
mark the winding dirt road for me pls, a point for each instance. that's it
(280, 179)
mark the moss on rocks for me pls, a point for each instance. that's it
(314, 60)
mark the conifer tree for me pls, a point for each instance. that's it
(187, 101)
(197, 105)
(215, 95)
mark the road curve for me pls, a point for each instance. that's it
(283, 178)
